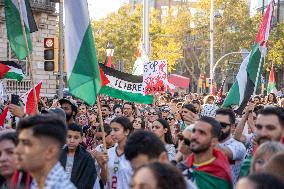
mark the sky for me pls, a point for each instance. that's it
(101, 8)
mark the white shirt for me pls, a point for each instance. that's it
(124, 173)
(239, 151)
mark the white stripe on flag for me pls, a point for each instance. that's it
(24, 11)
(75, 34)
(242, 77)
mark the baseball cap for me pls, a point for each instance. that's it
(71, 102)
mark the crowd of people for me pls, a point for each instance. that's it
(180, 141)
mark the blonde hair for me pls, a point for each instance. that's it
(267, 147)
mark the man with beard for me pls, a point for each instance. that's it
(208, 167)
(233, 149)
(70, 108)
(128, 110)
(270, 125)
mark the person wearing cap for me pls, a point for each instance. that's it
(70, 109)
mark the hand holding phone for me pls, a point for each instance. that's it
(15, 99)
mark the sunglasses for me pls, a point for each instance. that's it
(224, 125)
(185, 140)
(170, 119)
(152, 113)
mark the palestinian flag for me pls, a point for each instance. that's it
(251, 68)
(3, 116)
(214, 175)
(29, 101)
(11, 70)
(14, 26)
(123, 86)
(271, 88)
(83, 73)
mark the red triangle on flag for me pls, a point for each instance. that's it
(104, 78)
(28, 99)
(3, 70)
(3, 116)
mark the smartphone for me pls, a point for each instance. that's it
(15, 99)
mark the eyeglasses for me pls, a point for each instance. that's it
(170, 118)
(224, 125)
(185, 140)
(152, 113)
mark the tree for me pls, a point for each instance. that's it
(276, 48)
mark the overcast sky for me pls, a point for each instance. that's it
(101, 8)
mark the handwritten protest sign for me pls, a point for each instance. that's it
(155, 76)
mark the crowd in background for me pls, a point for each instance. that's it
(180, 141)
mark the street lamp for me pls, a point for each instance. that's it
(109, 53)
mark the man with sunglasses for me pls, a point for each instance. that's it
(233, 149)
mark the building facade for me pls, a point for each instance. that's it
(45, 16)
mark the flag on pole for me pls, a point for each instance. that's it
(138, 68)
(83, 73)
(14, 26)
(220, 92)
(252, 66)
(3, 116)
(271, 88)
(29, 101)
(11, 70)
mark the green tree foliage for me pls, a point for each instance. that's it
(276, 48)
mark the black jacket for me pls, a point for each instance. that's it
(84, 173)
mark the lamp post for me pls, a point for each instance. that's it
(109, 53)
(211, 43)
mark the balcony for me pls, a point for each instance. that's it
(15, 87)
(40, 5)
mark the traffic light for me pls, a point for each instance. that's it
(49, 54)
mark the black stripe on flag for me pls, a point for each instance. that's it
(31, 19)
(11, 63)
(121, 75)
(248, 92)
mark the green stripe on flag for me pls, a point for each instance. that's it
(131, 97)
(13, 75)
(233, 96)
(254, 61)
(85, 81)
(14, 31)
(206, 181)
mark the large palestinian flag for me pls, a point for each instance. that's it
(14, 27)
(251, 68)
(83, 73)
(123, 86)
(11, 70)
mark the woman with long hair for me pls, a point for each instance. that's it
(119, 169)
(162, 129)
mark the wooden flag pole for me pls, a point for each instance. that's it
(29, 58)
(103, 136)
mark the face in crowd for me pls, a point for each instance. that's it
(118, 112)
(7, 156)
(127, 110)
(74, 138)
(68, 110)
(137, 123)
(226, 126)
(268, 128)
(152, 115)
(82, 109)
(105, 111)
(92, 116)
(202, 138)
